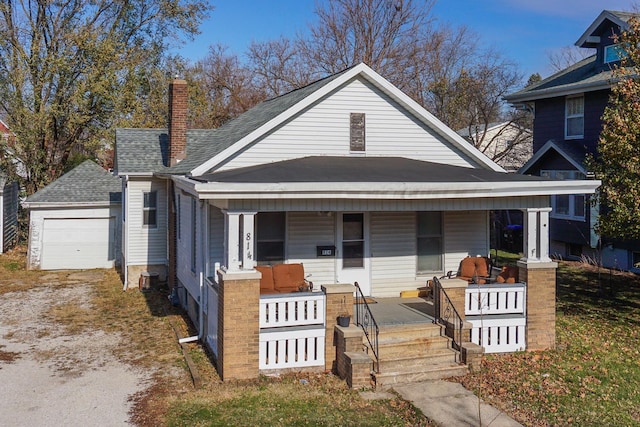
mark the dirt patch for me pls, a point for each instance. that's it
(58, 367)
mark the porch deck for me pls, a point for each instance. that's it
(401, 311)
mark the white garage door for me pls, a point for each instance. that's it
(78, 243)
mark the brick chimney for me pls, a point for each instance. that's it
(177, 121)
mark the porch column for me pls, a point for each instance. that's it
(232, 235)
(248, 238)
(536, 235)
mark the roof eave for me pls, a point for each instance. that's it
(45, 205)
(552, 93)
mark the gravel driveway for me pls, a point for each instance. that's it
(51, 376)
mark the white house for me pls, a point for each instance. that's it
(348, 176)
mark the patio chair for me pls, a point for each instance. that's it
(508, 275)
(473, 270)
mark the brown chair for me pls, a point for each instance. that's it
(473, 270)
(508, 275)
(282, 278)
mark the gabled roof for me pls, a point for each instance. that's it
(573, 153)
(86, 184)
(582, 76)
(596, 28)
(265, 117)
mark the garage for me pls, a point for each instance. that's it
(78, 243)
(74, 222)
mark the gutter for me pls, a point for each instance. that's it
(125, 219)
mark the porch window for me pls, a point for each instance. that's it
(270, 237)
(149, 208)
(429, 242)
(574, 117)
(567, 206)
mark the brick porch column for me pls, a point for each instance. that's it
(238, 324)
(456, 290)
(339, 299)
(540, 278)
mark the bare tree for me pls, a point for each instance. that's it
(563, 57)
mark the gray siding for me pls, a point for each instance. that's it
(465, 234)
(216, 239)
(9, 216)
(305, 231)
(146, 245)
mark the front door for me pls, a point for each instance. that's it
(353, 250)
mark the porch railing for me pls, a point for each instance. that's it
(497, 313)
(447, 315)
(292, 330)
(364, 319)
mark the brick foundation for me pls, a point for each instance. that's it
(339, 299)
(238, 325)
(540, 278)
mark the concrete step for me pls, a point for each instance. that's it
(386, 380)
(411, 330)
(417, 347)
(410, 363)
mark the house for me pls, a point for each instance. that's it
(510, 144)
(347, 176)
(74, 222)
(568, 107)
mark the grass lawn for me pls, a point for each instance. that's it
(147, 320)
(592, 378)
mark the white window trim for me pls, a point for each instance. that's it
(573, 116)
(146, 209)
(572, 197)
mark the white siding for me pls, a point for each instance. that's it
(393, 253)
(465, 233)
(305, 231)
(37, 235)
(323, 130)
(216, 239)
(188, 276)
(146, 245)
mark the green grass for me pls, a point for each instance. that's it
(592, 377)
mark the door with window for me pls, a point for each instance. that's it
(353, 250)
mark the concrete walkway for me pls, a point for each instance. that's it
(450, 404)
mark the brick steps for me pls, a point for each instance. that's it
(414, 352)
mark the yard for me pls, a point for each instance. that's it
(592, 377)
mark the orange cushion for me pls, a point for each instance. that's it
(288, 277)
(482, 266)
(266, 281)
(468, 267)
(508, 275)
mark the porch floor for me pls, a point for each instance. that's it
(401, 311)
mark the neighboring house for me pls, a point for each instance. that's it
(568, 107)
(75, 221)
(9, 193)
(348, 176)
(507, 142)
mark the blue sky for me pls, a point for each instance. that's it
(525, 31)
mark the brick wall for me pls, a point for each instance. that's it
(339, 299)
(541, 304)
(238, 325)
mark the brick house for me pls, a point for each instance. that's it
(568, 107)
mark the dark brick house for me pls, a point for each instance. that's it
(568, 107)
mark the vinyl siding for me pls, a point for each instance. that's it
(9, 209)
(465, 233)
(323, 130)
(305, 231)
(187, 276)
(357, 205)
(216, 239)
(146, 245)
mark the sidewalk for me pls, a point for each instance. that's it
(451, 405)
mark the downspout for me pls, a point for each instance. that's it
(125, 219)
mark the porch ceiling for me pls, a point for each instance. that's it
(375, 177)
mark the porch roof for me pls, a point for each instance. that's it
(375, 177)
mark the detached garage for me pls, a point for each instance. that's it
(74, 222)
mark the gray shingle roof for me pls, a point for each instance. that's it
(86, 183)
(360, 169)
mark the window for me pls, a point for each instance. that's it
(270, 235)
(429, 241)
(567, 206)
(613, 53)
(353, 240)
(357, 132)
(574, 114)
(150, 209)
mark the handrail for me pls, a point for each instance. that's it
(364, 319)
(448, 316)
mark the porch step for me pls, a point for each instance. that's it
(415, 352)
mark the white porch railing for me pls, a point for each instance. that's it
(497, 315)
(292, 331)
